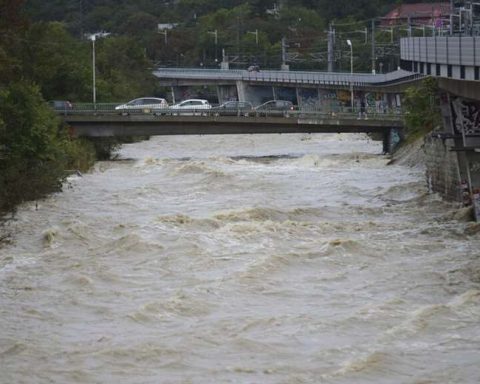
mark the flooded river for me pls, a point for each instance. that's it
(281, 259)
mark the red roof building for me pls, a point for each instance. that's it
(419, 14)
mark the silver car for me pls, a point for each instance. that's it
(190, 106)
(143, 104)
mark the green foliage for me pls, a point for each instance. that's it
(301, 22)
(421, 106)
(123, 71)
(35, 150)
(57, 62)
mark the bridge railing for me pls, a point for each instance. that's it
(357, 80)
(339, 113)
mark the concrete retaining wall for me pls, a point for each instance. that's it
(442, 168)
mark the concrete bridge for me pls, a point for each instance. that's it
(321, 91)
(387, 127)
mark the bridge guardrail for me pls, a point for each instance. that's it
(342, 113)
(291, 77)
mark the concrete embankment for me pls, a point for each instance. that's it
(427, 154)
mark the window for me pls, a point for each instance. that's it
(449, 70)
(462, 72)
(477, 74)
(437, 69)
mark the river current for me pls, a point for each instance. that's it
(281, 259)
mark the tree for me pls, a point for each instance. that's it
(124, 71)
(33, 158)
(12, 25)
(57, 62)
(421, 105)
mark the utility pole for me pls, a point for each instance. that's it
(284, 66)
(331, 48)
(215, 34)
(93, 73)
(256, 35)
(238, 37)
(164, 32)
(349, 42)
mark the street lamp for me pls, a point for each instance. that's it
(349, 42)
(93, 37)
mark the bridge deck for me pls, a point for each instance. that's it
(206, 123)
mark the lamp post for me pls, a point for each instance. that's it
(349, 42)
(92, 37)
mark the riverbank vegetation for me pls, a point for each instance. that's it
(422, 109)
(42, 61)
(36, 149)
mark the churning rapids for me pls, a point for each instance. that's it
(242, 259)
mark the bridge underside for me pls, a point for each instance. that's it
(138, 125)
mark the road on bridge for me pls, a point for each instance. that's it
(107, 123)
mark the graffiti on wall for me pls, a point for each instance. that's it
(465, 115)
(328, 100)
(308, 99)
(285, 93)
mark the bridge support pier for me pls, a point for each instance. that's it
(391, 138)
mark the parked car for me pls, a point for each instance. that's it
(233, 108)
(143, 104)
(60, 105)
(275, 108)
(189, 106)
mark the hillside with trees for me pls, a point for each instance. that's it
(196, 32)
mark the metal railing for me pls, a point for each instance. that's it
(102, 109)
(285, 77)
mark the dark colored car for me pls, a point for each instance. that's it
(60, 105)
(233, 108)
(275, 108)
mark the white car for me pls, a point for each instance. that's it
(190, 106)
(143, 104)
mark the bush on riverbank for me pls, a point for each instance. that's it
(422, 110)
(35, 149)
